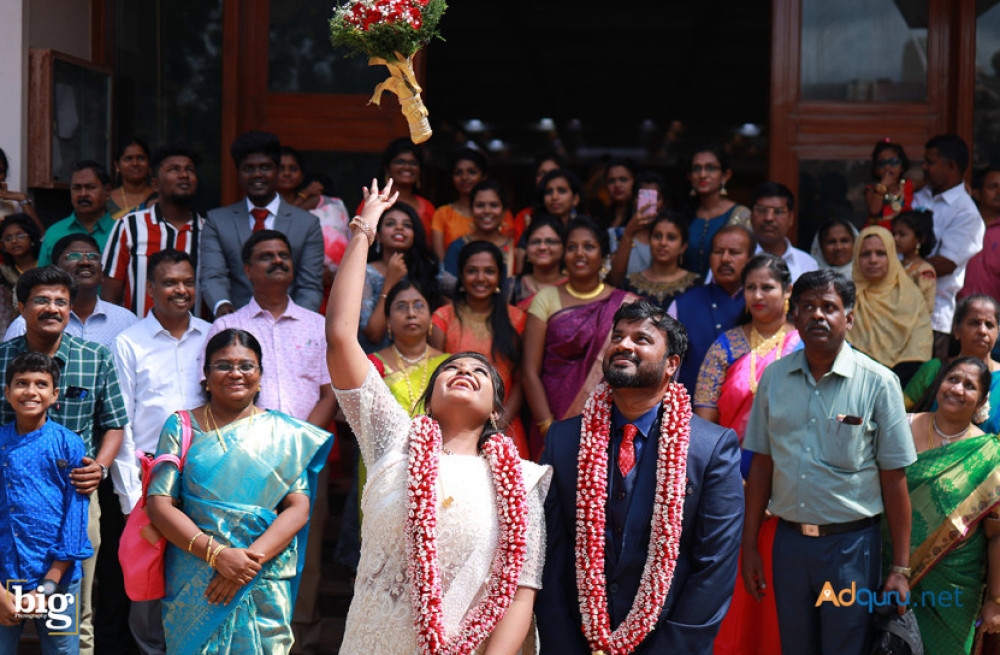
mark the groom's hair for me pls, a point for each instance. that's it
(641, 310)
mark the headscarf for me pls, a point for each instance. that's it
(891, 322)
(817, 253)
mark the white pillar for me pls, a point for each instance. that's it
(14, 90)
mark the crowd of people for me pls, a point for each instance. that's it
(648, 428)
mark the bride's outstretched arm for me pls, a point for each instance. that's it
(346, 360)
(508, 637)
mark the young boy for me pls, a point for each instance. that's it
(43, 520)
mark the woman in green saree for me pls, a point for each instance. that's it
(955, 494)
(236, 514)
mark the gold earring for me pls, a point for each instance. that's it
(786, 307)
(723, 192)
(493, 424)
(693, 193)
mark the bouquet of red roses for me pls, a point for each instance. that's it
(390, 32)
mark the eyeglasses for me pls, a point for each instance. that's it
(227, 367)
(416, 306)
(77, 256)
(707, 168)
(11, 238)
(894, 161)
(768, 211)
(545, 242)
(412, 163)
(42, 301)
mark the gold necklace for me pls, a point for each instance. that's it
(215, 426)
(406, 378)
(760, 346)
(584, 295)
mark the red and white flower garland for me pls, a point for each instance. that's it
(665, 534)
(422, 533)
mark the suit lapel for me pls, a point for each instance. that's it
(283, 221)
(640, 509)
(241, 217)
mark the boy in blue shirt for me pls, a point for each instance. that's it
(43, 520)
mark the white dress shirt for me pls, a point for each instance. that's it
(959, 230)
(272, 212)
(158, 375)
(799, 261)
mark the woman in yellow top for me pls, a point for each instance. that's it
(891, 322)
(454, 220)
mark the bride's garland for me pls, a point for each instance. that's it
(422, 533)
(665, 534)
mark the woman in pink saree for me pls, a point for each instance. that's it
(567, 331)
(726, 385)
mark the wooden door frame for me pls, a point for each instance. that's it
(803, 130)
(314, 121)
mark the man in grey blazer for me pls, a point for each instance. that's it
(224, 285)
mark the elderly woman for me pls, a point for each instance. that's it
(955, 499)
(891, 323)
(453, 532)
(235, 514)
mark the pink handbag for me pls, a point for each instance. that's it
(142, 547)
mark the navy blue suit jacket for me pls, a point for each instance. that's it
(705, 573)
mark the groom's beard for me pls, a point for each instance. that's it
(644, 376)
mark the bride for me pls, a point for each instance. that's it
(453, 532)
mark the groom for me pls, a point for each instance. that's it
(684, 599)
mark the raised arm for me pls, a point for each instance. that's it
(344, 356)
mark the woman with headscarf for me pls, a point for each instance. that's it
(891, 323)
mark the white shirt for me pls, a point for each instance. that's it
(272, 212)
(959, 230)
(158, 375)
(105, 323)
(799, 261)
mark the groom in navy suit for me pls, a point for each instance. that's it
(645, 350)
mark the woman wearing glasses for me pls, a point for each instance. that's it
(21, 242)
(891, 193)
(709, 172)
(544, 241)
(236, 513)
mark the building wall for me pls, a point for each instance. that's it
(62, 25)
(14, 82)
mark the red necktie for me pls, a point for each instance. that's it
(259, 216)
(626, 452)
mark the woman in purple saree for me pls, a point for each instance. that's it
(568, 330)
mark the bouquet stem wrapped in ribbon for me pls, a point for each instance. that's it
(390, 32)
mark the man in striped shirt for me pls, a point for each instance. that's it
(170, 223)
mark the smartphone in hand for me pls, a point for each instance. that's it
(647, 200)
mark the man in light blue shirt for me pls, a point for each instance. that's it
(830, 440)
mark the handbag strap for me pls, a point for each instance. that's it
(149, 464)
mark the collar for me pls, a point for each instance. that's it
(952, 195)
(843, 363)
(292, 310)
(271, 206)
(158, 217)
(100, 309)
(789, 253)
(644, 422)
(733, 296)
(155, 328)
(99, 226)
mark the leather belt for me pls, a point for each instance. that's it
(811, 530)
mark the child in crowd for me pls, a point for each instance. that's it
(43, 520)
(913, 232)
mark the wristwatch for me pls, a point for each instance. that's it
(903, 571)
(47, 587)
(104, 471)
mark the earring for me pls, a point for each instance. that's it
(388, 331)
(786, 306)
(496, 292)
(693, 193)
(493, 424)
(722, 191)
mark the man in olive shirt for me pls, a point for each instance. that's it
(830, 441)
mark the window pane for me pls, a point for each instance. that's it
(81, 117)
(987, 99)
(864, 50)
(301, 59)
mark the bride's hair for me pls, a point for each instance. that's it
(499, 393)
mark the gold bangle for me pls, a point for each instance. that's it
(543, 426)
(208, 548)
(904, 571)
(366, 229)
(215, 555)
(191, 543)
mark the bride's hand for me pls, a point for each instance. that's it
(376, 203)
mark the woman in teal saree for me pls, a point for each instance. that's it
(236, 515)
(955, 499)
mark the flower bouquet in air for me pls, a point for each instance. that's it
(390, 32)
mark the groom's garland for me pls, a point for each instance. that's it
(421, 541)
(665, 535)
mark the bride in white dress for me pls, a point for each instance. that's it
(453, 532)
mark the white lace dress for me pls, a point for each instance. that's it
(380, 620)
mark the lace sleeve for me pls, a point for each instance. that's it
(536, 480)
(379, 422)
